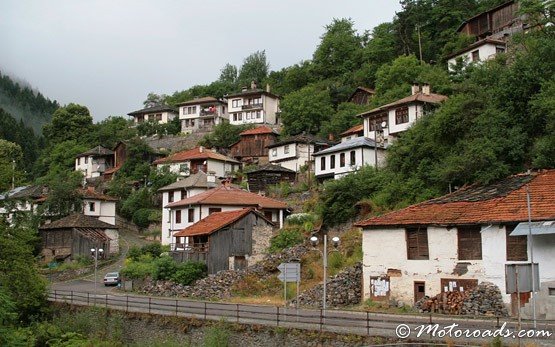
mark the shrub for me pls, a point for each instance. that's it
(165, 268)
(140, 199)
(155, 216)
(188, 272)
(141, 217)
(286, 238)
(300, 218)
(134, 253)
(154, 249)
(138, 269)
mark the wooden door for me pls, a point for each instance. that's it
(419, 290)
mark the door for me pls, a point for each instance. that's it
(419, 290)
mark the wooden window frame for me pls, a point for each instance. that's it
(402, 115)
(353, 158)
(342, 160)
(332, 161)
(469, 242)
(417, 243)
(191, 215)
(170, 196)
(177, 216)
(323, 163)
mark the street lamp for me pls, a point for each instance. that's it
(95, 252)
(335, 243)
(377, 126)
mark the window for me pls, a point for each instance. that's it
(475, 55)
(332, 162)
(499, 50)
(239, 116)
(235, 102)
(417, 243)
(213, 210)
(342, 160)
(170, 196)
(91, 206)
(469, 242)
(86, 160)
(258, 114)
(274, 152)
(235, 117)
(191, 215)
(353, 158)
(377, 122)
(402, 115)
(517, 246)
(323, 163)
(286, 149)
(158, 117)
(178, 216)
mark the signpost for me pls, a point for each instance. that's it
(290, 272)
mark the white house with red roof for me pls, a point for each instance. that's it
(202, 114)
(456, 241)
(198, 159)
(99, 205)
(185, 212)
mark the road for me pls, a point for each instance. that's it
(86, 283)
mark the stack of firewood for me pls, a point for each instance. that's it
(446, 302)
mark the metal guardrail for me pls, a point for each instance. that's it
(353, 322)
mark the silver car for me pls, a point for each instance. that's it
(112, 279)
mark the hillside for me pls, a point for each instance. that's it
(23, 103)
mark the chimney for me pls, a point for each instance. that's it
(226, 183)
(415, 89)
(331, 137)
(267, 87)
(244, 88)
(211, 178)
(253, 85)
(426, 89)
(201, 149)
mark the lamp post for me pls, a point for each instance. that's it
(94, 253)
(335, 243)
(377, 126)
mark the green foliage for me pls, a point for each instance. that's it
(217, 336)
(152, 127)
(111, 130)
(187, 273)
(228, 74)
(223, 135)
(286, 238)
(63, 196)
(300, 219)
(306, 110)
(255, 68)
(343, 119)
(141, 217)
(165, 268)
(70, 122)
(140, 269)
(154, 249)
(11, 156)
(18, 133)
(138, 200)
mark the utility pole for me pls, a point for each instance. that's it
(419, 44)
(13, 174)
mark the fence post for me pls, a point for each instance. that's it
(176, 307)
(321, 319)
(205, 310)
(127, 303)
(55, 295)
(237, 308)
(367, 323)
(88, 299)
(72, 297)
(277, 316)
(149, 298)
(106, 301)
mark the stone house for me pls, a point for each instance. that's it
(463, 238)
(225, 240)
(99, 205)
(202, 114)
(253, 106)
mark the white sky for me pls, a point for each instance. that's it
(108, 55)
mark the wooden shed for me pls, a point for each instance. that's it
(267, 175)
(253, 143)
(225, 240)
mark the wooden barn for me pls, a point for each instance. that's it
(253, 145)
(259, 179)
(225, 240)
(494, 23)
(75, 235)
(362, 96)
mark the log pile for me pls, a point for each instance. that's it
(446, 302)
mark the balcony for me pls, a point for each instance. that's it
(182, 252)
(251, 106)
(209, 112)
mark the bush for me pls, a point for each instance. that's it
(165, 268)
(134, 253)
(141, 217)
(286, 238)
(300, 218)
(188, 272)
(154, 249)
(138, 269)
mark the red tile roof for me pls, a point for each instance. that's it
(353, 130)
(195, 153)
(259, 130)
(215, 222)
(230, 196)
(501, 202)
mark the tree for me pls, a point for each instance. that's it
(292, 78)
(344, 118)
(63, 196)
(339, 51)
(154, 99)
(306, 110)
(228, 74)
(223, 135)
(71, 122)
(111, 130)
(58, 159)
(255, 68)
(11, 156)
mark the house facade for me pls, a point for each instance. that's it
(230, 240)
(454, 242)
(253, 106)
(267, 175)
(94, 162)
(386, 122)
(191, 161)
(24, 199)
(351, 133)
(347, 157)
(160, 114)
(185, 212)
(185, 188)
(202, 114)
(252, 146)
(99, 205)
(295, 152)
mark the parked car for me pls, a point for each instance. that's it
(112, 279)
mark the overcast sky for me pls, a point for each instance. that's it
(108, 55)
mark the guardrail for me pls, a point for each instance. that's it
(352, 322)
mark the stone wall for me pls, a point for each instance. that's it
(261, 235)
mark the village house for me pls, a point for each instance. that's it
(252, 146)
(492, 29)
(267, 175)
(185, 212)
(191, 161)
(295, 152)
(185, 188)
(347, 157)
(75, 235)
(253, 106)
(351, 133)
(94, 162)
(385, 123)
(160, 114)
(202, 114)
(461, 239)
(99, 205)
(231, 240)
(22, 199)
(362, 96)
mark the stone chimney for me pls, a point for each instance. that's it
(415, 89)
(253, 85)
(331, 137)
(426, 89)
(244, 88)
(201, 149)
(267, 87)
(211, 178)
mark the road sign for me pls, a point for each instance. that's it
(290, 272)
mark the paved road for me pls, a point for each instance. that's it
(86, 283)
